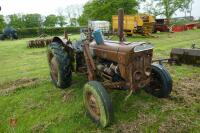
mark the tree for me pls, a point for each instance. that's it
(167, 7)
(187, 7)
(61, 18)
(25, 21)
(16, 21)
(2, 23)
(73, 12)
(104, 9)
(51, 21)
(61, 21)
(153, 7)
(73, 22)
(32, 20)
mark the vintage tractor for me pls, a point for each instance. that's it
(109, 65)
(9, 33)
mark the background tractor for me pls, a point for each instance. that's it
(109, 65)
(9, 33)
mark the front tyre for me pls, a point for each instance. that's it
(161, 82)
(59, 63)
(98, 103)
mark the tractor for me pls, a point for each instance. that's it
(9, 33)
(109, 65)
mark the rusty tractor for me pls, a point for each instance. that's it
(9, 33)
(108, 65)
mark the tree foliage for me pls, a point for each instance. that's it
(171, 6)
(2, 23)
(32, 20)
(166, 8)
(16, 21)
(187, 7)
(51, 21)
(61, 20)
(104, 9)
(153, 7)
(25, 21)
(73, 12)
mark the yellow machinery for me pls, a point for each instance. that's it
(135, 24)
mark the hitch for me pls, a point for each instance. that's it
(168, 60)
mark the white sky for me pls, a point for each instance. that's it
(46, 7)
(43, 7)
(195, 10)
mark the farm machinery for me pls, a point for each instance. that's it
(108, 65)
(9, 33)
(190, 56)
(38, 43)
(161, 25)
(135, 24)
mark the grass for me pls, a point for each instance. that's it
(29, 99)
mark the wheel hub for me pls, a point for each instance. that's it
(54, 69)
(93, 106)
(156, 83)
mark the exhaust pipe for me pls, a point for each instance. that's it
(121, 24)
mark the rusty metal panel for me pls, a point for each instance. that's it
(121, 24)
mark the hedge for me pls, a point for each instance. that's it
(36, 32)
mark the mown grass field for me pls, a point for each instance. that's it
(28, 97)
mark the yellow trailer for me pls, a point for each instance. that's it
(135, 24)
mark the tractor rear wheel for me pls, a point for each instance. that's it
(59, 63)
(161, 82)
(98, 103)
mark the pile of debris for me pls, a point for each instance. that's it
(39, 43)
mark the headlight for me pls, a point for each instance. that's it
(137, 75)
(148, 71)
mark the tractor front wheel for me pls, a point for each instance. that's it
(161, 82)
(98, 103)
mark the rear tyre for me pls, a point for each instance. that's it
(59, 63)
(98, 103)
(161, 82)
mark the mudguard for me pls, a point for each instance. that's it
(63, 41)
